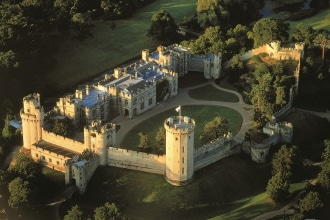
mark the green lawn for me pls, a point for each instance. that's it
(79, 60)
(201, 114)
(54, 176)
(319, 21)
(231, 188)
(210, 93)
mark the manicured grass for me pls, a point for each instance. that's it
(78, 60)
(231, 187)
(319, 21)
(248, 208)
(54, 176)
(201, 114)
(210, 93)
(296, 187)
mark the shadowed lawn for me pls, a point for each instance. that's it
(54, 176)
(210, 93)
(202, 115)
(232, 185)
(109, 47)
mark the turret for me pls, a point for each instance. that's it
(179, 150)
(276, 46)
(145, 55)
(98, 138)
(32, 116)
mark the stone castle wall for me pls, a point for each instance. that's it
(134, 160)
(64, 142)
(215, 151)
(275, 51)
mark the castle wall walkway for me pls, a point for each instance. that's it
(183, 98)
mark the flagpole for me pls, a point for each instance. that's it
(180, 114)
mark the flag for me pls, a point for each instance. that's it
(178, 108)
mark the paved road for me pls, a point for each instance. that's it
(183, 98)
(65, 194)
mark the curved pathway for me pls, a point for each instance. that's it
(183, 98)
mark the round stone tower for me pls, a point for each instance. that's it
(179, 149)
(32, 116)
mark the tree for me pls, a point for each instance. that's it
(214, 129)
(108, 211)
(280, 96)
(322, 40)
(308, 206)
(145, 144)
(211, 42)
(267, 30)
(287, 161)
(117, 8)
(304, 34)
(13, 24)
(278, 187)
(25, 166)
(324, 174)
(261, 93)
(237, 40)
(8, 59)
(61, 127)
(81, 21)
(163, 28)
(6, 131)
(75, 213)
(160, 140)
(19, 193)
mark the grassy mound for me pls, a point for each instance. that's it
(232, 185)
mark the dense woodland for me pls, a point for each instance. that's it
(28, 30)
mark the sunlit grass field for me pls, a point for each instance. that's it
(319, 21)
(79, 60)
(201, 114)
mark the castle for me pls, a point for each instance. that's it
(130, 91)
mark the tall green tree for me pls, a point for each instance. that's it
(267, 30)
(287, 161)
(61, 127)
(280, 96)
(108, 211)
(75, 213)
(7, 131)
(145, 144)
(278, 187)
(163, 28)
(160, 140)
(211, 42)
(261, 94)
(304, 34)
(324, 174)
(25, 166)
(214, 129)
(308, 206)
(322, 40)
(19, 193)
